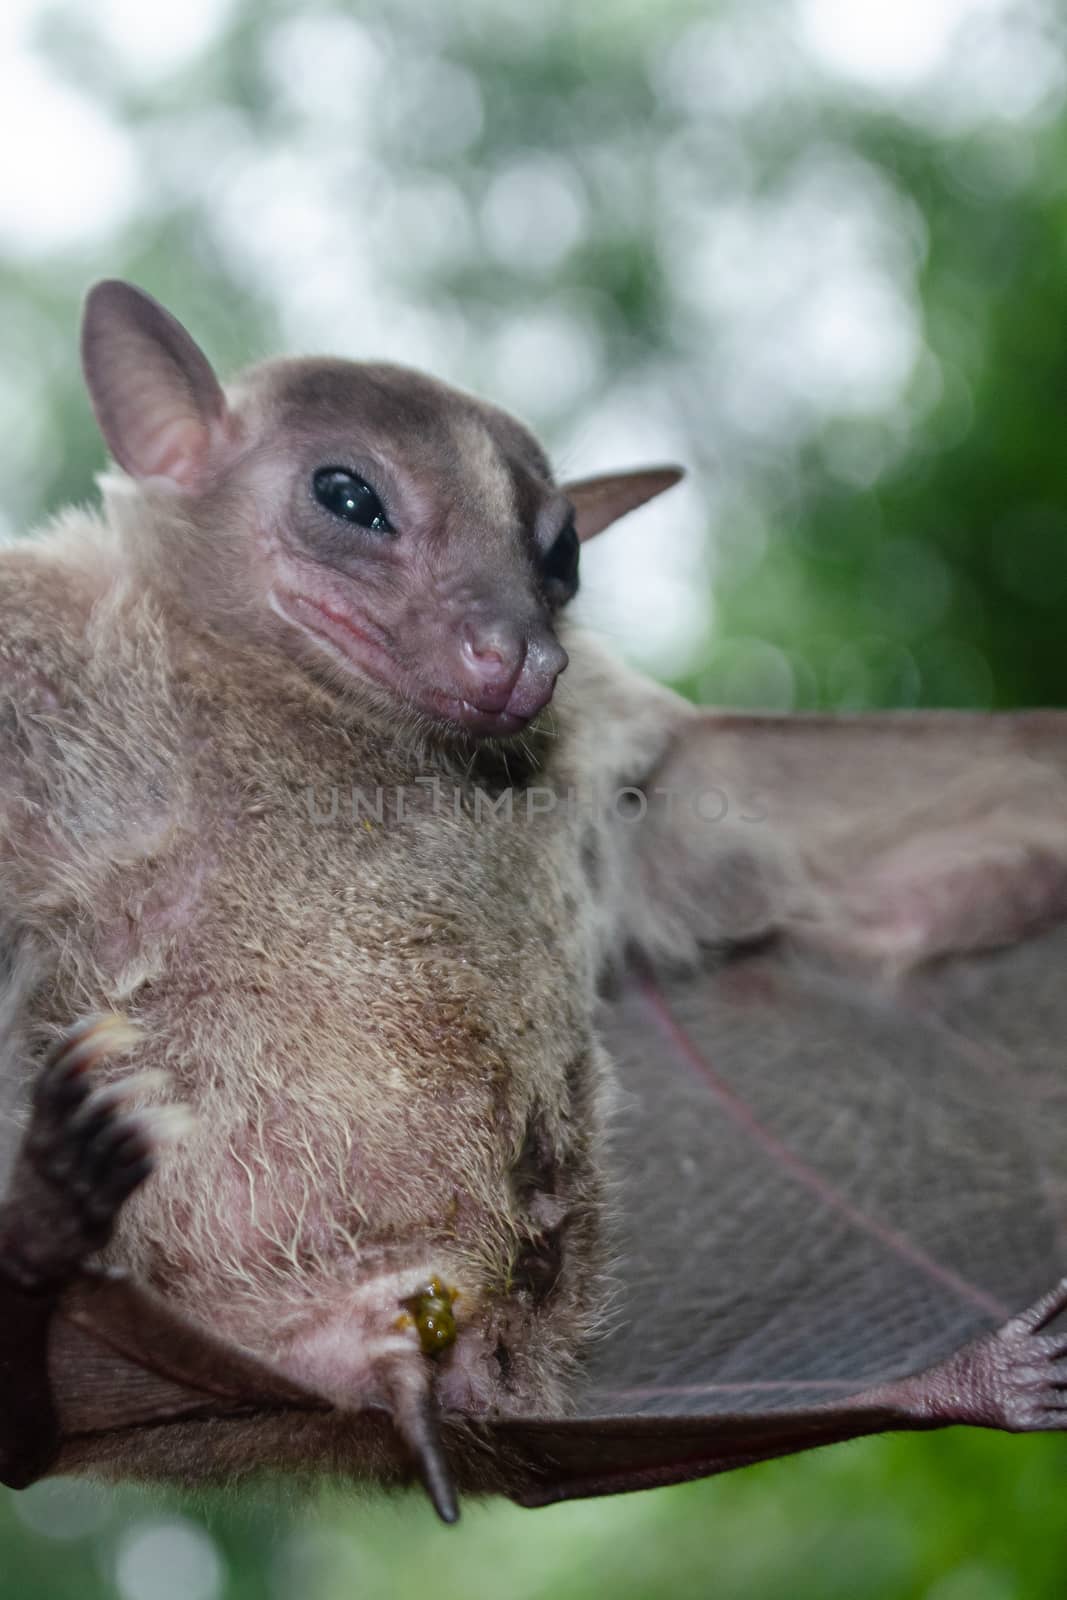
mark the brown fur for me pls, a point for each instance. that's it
(384, 1024)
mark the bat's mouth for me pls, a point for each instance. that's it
(485, 723)
(355, 648)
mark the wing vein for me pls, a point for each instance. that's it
(811, 1179)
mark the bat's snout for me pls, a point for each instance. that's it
(491, 662)
(507, 675)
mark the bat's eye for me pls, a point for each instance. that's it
(344, 495)
(560, 563)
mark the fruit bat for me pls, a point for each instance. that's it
(420, 1062)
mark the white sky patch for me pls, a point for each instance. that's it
(68, 172)
(858, 335)
(327, 68)
(432, 106)
(534, 213)
(277, 214)
(1010, 66)
(729, 67)
(154, 40)
(953, 64)
(428, 220)
(542, 362)
(886, 43)
(809, 296)
(287, 215)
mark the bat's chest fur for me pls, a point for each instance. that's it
(388, 1050)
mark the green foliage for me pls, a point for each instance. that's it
(955, 1516)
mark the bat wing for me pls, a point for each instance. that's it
(832, 1175)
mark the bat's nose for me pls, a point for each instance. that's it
(545, 660)
(492, 657)
(546, 656)
(506, 674)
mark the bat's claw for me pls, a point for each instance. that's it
(1014, 1378)
(84, 1154)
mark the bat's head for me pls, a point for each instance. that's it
(399, 535)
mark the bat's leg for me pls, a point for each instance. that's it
(81, 1157)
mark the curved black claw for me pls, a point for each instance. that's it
(414, 1416)
(423, 1438)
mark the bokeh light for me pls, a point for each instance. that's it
(168, 1558)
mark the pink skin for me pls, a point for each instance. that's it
(492, 682)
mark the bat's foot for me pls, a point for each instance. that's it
(84, 1153)
(1014, 1378)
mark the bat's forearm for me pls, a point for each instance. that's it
(616, 1455)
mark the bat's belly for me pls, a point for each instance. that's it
(385, 1036)
(363, 1068)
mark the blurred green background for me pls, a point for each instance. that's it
(815, 250)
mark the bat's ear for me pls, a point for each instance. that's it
(159, 405)
(600, 501)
